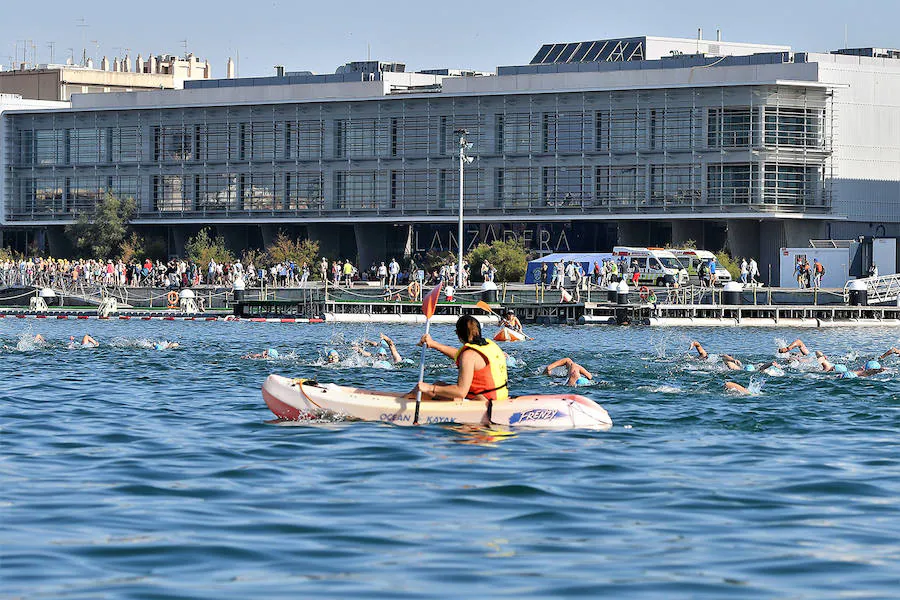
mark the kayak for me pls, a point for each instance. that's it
(299, 399)
(509, 335)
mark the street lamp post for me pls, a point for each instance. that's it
(464, 159)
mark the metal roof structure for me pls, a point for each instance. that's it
(617, 50)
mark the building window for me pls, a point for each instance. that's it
(356, 190)
(257, 191)
(215, 193)
(258, 141)
(83, 194)
(517, 188)
(797, 127)
(793, 184)
(563, 132)
(42, 196)
(172, 144)
(49, 147)
(627, 129)
(303, 191)
(731, 127)
(359, 138)
(619, 186)
(125, 144)
(410, 137)
(516, 134)
(126, 187)
(86, 146)
(566, 187)
(731, 184)
(213, 142)
(410, 189)
(448, 188)
(674, 184)
(672, 128)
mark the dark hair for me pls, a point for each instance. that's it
(468, 330)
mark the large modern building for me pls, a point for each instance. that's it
(636, 141)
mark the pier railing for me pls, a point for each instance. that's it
(879, 290)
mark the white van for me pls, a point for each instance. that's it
(691, 259)
(658, 267)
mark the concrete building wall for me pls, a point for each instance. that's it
(866, 146)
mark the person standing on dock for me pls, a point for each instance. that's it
(754, 271)
(393, 271)
(382, 273)
(818, 273)
(745, 271)
(348, 273)
(323, 269)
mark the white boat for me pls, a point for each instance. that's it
(509, 335)
(299, 399)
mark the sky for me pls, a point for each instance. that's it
(468, 34)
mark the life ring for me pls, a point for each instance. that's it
(645, 292)
(172, 299)
(413, 290)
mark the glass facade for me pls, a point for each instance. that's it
(668, 150)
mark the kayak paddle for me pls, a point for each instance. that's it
(429, 303)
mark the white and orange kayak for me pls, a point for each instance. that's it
(509, 335)
(298, 399)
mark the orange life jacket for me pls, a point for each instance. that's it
(491, 380)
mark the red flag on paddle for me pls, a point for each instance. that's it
(429, 303)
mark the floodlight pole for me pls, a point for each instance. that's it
(459, 238)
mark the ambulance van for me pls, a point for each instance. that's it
(658, 267)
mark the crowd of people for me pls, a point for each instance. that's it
(65, 273)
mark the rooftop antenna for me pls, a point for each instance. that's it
(185, 44)
(96, 44)
(83, 25)
(846, 44)
(71, 55)
(368, 51)
(51, 45)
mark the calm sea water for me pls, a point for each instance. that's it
(128, 472)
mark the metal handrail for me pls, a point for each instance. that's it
(885, 288)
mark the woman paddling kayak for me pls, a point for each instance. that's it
(481, 364)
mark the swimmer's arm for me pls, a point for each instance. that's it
(889, 352)
(559, 363)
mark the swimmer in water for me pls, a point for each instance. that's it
(332, 357)
(86, 342)
(165, 345)
(701, 353)
(576, 374)
(795, 345)
(268, 353)
(737, 388)
(895, 351)
(39, 339)
(872, 367)
(732, 363)
(824, 362)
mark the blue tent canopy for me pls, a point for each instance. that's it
(586, 259)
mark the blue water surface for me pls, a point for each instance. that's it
(129, 472)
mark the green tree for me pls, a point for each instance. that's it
(202, 248)
(101, 232)
(724, 259)
(508, 257)
(285, 249)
